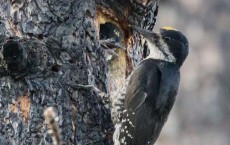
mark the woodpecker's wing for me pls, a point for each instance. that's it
(149, 98)
(140, 120)
(144, 82)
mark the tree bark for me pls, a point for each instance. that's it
(48, 46)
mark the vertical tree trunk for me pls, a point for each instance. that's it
(48, 46)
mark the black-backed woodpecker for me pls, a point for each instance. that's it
(141, 106)
(152, 88)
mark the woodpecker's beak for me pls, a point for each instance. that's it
(146, 33)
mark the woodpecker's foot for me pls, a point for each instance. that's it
(89, 87)
(104, 96)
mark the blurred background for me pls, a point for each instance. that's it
(201, 114)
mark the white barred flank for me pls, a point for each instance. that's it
(117, 99)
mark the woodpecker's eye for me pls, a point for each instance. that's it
(166, 38)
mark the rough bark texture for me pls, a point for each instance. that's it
(48, 46)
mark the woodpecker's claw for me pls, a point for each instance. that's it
(104, 96)
(88, 87)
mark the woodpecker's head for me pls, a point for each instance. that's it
(169, 44)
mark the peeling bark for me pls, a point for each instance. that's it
(46, 47)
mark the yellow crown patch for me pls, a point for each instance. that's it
(169, 28)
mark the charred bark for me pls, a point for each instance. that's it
(46, 47)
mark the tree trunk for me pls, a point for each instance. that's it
(48, 46)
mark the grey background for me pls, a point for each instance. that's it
(201, 114)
